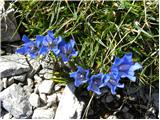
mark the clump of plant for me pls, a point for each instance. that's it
(121, 68)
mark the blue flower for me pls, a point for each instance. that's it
(112, 82)
(49, 43)
(124, 67)
(30, 48)
(67, 50)
(95, 83)
(81, 76)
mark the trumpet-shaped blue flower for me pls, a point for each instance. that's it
(30, 48)
(125, 67)
(67, 50)
(80, 76)
(96, 82)
(113, 82)
(49, 43)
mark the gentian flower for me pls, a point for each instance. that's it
(49, 43)
(30, 48)
(112, 82)
(96, 82)
(80, 76)
(125, 67)
(67, 50)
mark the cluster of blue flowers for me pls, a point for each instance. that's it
(42, 45)
(121, 68)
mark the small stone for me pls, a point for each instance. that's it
(7, 116)
(132, 98)
(57, 87)
(48, 76)
(52, 98)
(109, 99)
(4, 80)
(40, 113)
(10, 81)
(28, 90)
(34, 100)
(37, 78)
(44, 71)
(30, 82)
(118, 96)
(46, 86)
(43, 98)
(112, 117)
(20, 78)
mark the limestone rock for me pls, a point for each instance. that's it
(34, 100)
(15, 101)
(40, 113)
(46, 86)
(13, 65)
(69, 106)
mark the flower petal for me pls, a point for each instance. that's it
(72, 43)
(136, 66)
(43, 50)
(73, 74)
(77, 83)
(25, 39)
(21, 51)
(128, 57)
(132, 78)
(56, 51)
(120, 85)
(39, 40)
(117, 61)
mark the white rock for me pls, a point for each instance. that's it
(57, 87)
(40, 113)
(34, 100)
(37, 78)
(43, 98)
(52, 98)
(112, 117)
(30, 82)
(15, 101)
(48, 75)
(28, 90)
(4, 80)
(10, 81)
(12, 65)
(69, 106)
(7, 116)
(46, 86)
(20, 78)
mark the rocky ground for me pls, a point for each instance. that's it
(26, 91)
